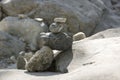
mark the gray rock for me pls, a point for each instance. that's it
(62, 61)
(10, 45)
(79, 36)
(58, 27)
(21, 61)
(28, 55)
(13, 59)
(41, 60)
(59, 41)
(11, 7)
(25, 29)
(111, 16)
(23, 58)
(82, 15)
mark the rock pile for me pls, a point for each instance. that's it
(56, 39)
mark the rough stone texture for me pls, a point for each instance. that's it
(58, 27)
(78, 36)
(25, 29)
(21, 62)
(88, 16)
(41, 60)
(82, 15)
(11, 7)
(28, 55)
(23, 58)
(58, 41)
(9, 45)
(111, 16)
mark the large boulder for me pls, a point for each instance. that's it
(11, 7)
(82, 15)
(56, 41)
(10, 45)
(98, 58)
(114, 32)
(25, 29)
(91, 60)
(41, 60)
(111, 16)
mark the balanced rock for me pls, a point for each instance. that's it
(59, 41)
(41, 60)
(58, 27)
(60, 20)
(21, 61)
(79, 36)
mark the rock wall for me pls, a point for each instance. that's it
(82, 15)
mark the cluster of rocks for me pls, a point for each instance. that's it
(56, 39)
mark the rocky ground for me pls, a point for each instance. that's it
(59, 39)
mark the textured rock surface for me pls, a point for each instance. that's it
(88, 16)
(28, 55)
(11, 7)
(59, 41)
(82, 15)
(9, 45)
(25, 29)
(41, 60)
(23, 58)
(111, 16)
(78, 36)
(21, 62)
(58, 27)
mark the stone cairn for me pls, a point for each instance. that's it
(53, 40)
